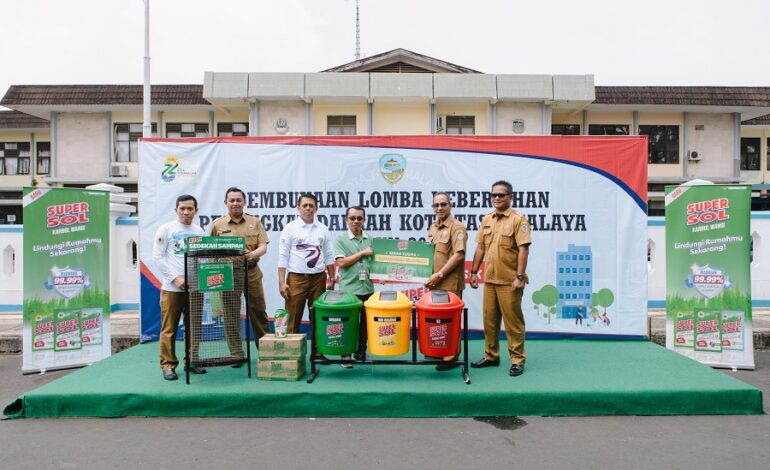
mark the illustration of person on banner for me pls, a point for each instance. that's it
(305, 258)
(168, 254)
(503, 245)
(449, 238)
(353, 250)
(239, 224)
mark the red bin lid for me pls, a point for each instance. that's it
(440, 299)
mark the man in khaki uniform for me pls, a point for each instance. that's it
(238, 224)
(503, 244)
(449, 237)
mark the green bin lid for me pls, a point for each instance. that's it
(337, 300)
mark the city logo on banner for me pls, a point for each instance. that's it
(67, 282)
(392, 167)
(174, 168)
(707, 281)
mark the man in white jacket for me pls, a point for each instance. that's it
(168, 254)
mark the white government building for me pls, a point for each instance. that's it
(80, 135)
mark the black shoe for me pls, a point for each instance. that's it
(516, 370)
(484, 362)
(169, 374)
(447, 366)
(196, 370)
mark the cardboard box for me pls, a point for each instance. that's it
(289, 347)
(281, 369)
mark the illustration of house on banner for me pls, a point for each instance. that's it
(573, 277)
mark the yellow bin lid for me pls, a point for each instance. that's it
(389, 300)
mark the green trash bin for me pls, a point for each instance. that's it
(336, 323)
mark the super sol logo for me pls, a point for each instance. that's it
(706, 215)
(65, 218)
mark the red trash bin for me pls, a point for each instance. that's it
(439, 317)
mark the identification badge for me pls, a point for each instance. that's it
(362, 273)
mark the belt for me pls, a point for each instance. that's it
(307, 274)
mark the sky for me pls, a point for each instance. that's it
(650, 42)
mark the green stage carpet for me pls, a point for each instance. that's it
(562, 378)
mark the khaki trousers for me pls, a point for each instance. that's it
(257, 312)
(172, 306)
(502, 301)
(303, 290)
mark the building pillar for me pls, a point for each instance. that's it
(546, 110)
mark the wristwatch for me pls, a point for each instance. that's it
(520, 277)
(440, 275)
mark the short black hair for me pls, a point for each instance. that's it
(507, 185)
(442, 193)
(309, 196)
(356, 208)
(234, 189)
(186, 197)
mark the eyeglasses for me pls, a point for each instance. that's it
(498, 195)
(355, 218)
(440, 204)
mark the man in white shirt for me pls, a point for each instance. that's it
(305, 257)
(168, 254)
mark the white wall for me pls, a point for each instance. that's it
(125, 277)
(82, 146)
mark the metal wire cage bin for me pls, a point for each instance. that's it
(217, 330)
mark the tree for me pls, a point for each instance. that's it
(603, 298)
(549, 296)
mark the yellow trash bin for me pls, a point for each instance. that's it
(388, 321)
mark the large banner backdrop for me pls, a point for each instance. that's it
(585, 198)
(66, 278)
(708, 274)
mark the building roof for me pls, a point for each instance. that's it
(19, 120)
(684, 96)
(401, 60)
(58, 95)
(758, 121)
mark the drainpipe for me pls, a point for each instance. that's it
(686, 144)
(254, 118)
(432, 118)
(109, 143)
(54, 142)
(493, 118)
(737, 144)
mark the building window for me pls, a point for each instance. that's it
(14, 158)
(232, 129)
(461, 125)
(43, 158)
(179, 130)
(663, 143)
(608, 129)
(127, 136)
(750, 156)
(340, 125)
(565, 129)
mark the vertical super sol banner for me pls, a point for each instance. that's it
(66, 278)
(708, 282)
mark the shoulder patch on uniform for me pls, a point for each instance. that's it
(524, 228)
(460, 236)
